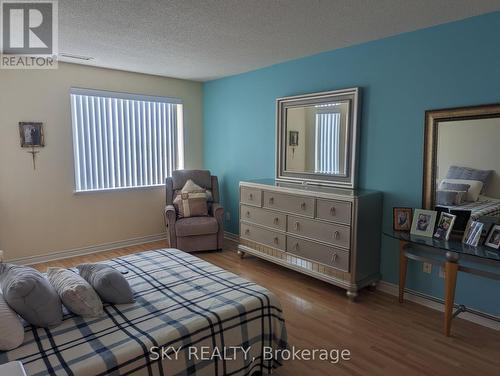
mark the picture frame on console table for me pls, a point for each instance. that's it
(402, 218)
(444, 226)
(472, 233)
(423, 222)
(493, 239)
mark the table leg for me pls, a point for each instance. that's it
(451, 269)
(403, 266)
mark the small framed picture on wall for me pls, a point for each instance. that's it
(402, 218)
(31, 134)
(293, 138)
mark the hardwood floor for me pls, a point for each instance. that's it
(383, 336)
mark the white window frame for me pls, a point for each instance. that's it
(177, 147)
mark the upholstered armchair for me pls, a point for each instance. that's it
(194, 233)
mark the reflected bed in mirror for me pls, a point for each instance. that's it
(462, 161)
(317, 138)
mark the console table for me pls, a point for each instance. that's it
(454, 256)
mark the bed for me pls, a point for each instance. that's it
(184, 306)
(485, 206)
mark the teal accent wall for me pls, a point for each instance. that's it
(451, 65)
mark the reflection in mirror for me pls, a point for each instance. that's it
(316, 138)
(468, 166)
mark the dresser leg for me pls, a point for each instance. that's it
(241, 254)
(351, 294)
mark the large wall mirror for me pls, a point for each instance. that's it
(462, 160)
(317, 138)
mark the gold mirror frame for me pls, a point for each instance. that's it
(432, 120)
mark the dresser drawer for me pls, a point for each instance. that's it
(327, 232)
(263, 217)
(336, 211)
(263, 236)
(323, 254)
(251, 196)
(289, 203)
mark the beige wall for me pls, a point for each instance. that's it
(471, 143)
(295, 155)
(39, 213)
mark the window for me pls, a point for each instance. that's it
(123, 140)
(327, 142)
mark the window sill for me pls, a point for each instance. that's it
(121, 189)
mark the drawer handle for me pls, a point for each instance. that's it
(276, 240)
(336, 235)
(276, 221)
(248, 214)
(303, 206)
(296, 247)
(297, 225)
(332, 211)
(334, 257)
(247, 231)
(271, 200)
(250, 197)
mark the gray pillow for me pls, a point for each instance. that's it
(109, 283)
(449, 198)
(10, 326)
(454, 187)
(467, 173)
(29, 293)
(76, 294)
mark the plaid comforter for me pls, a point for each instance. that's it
(483, 207)
(206, 320)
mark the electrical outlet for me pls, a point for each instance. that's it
(228, 217)
(441, 272)
(427, 268)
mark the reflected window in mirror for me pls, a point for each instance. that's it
(316, 137)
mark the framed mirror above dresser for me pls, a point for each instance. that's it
(317, 138)
(310, 217)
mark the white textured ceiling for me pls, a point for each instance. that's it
(207, 39)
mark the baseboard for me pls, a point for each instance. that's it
(429, 301)
(231, 236)
(86, 250)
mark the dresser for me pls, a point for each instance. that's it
(329, 233)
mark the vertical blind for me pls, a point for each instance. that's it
(123, 140)
(327, 143)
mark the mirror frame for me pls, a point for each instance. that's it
(432, 120)
(347, 180)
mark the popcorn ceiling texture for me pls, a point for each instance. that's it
(202, 40)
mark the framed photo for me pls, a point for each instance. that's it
(444, 226)
(402, 218)
(473, 233)
(423, 222)
(31, 134)
(293, 138)
(493, 239)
